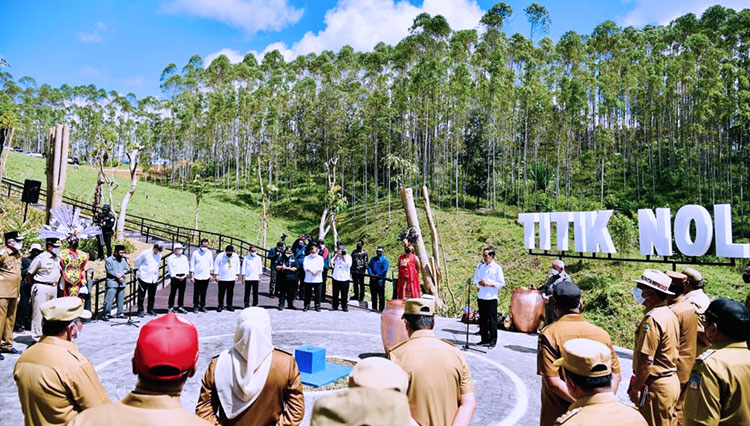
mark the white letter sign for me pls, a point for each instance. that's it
(655, 232)
(703, 230)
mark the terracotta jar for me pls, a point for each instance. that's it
(526, 309)
(392, 328)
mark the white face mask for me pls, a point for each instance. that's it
(553, 271)
(56, 250)
(78, 331)
(638, 295)
(178, 252)
(203, 249)
(17, 245)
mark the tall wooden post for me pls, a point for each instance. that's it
(428, 275)
(57, 165)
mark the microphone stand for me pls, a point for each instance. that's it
(466, 346)
(130, 320)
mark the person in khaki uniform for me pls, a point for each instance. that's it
(587, 369)
(440, 388)
(10, 285)
(165, 357)
(719, 386)
(655, 387)
(695, 295)
(376, 397)
(566, 305)
(688, 320)
(252, 383)
(43, 277)
(55, 381)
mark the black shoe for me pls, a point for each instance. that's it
(1, 357)
(170, 310)
(12, 351)
(105, 318)
(304, 309)
(18, 329)
(219, 309)
(255, 303)
(181, 310)
(247, 305)
(230, 309)
(203, 309)
(140, 314)
(491, 346)
(335, 308)
(121, 316)
(317, 309)
(280, 308)
(345, 309)
(291, 307)
(195, 310)
(152, 313)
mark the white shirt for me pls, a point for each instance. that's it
(252, 267)
(202, 264)
(492, 275)
(147, 263)
(178, 265)
(342, 268)
(313, 262)
(227, 268)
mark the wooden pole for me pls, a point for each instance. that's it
(57, 163)
(434, 237)
(407, 198)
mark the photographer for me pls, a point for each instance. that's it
(342, 263)
(106, 221)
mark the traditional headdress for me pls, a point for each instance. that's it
(409, 234)
(67, 223)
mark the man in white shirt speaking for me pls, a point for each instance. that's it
(147, 262)
(201, 269)
(313, 266)
(252, 268)
(178, 267)
(226, 272)
(489, 279)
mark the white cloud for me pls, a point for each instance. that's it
(664, 11)
(364, 23)
(233, 56)
(94, 36)
(249, 15)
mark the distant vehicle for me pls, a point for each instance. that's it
(73, 160)
(17, 149)
(125, 161)
(35, 154)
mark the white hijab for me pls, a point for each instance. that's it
(241, 371)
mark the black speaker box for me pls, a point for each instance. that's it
(31, 191)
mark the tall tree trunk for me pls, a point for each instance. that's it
(133, 167)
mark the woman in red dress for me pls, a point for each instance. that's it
(408, 273)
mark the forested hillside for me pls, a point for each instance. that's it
(620, 118)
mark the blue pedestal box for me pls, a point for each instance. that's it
(310, 359)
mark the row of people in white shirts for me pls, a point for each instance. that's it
(202, 265)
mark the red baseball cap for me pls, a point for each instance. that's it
(167, 348)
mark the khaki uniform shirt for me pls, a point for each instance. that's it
(551, 339)
(45, 268)
(601, 408)
(699, 299)
(141, 410)
(718, 391)
(658, 335)
(688, 320)
(10, 273)
(438, 376)
(362, 406)
(280, 403)
(56, 382)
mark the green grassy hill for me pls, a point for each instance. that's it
(606, 285)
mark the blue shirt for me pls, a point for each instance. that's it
(378, 266)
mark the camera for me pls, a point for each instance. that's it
(283, 236)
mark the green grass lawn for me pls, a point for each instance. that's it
(606, 286)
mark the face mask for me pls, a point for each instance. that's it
(178, 252)
(17, 245)
(78, 331)
(553, 271)
(379, 253)
(407, 249)
(203, 249)
(56, 250)
(638, 295)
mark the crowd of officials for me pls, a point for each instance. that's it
(691, 361)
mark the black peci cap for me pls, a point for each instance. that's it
(119, 247)
(732, 317)
(566, 295)
(229, 248)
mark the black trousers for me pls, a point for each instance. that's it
(488, 320)
(176, 284)
(226, 287)
(377, 293)
(313, 290)
(287, 290)
(254, 286)
(199, 293)
(272, 282)
(107, 243)
(23, 310)
(144, 287)
(358, 284)
(340, 292)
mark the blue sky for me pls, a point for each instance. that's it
(124, 45)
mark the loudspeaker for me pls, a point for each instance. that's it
(31, 191)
